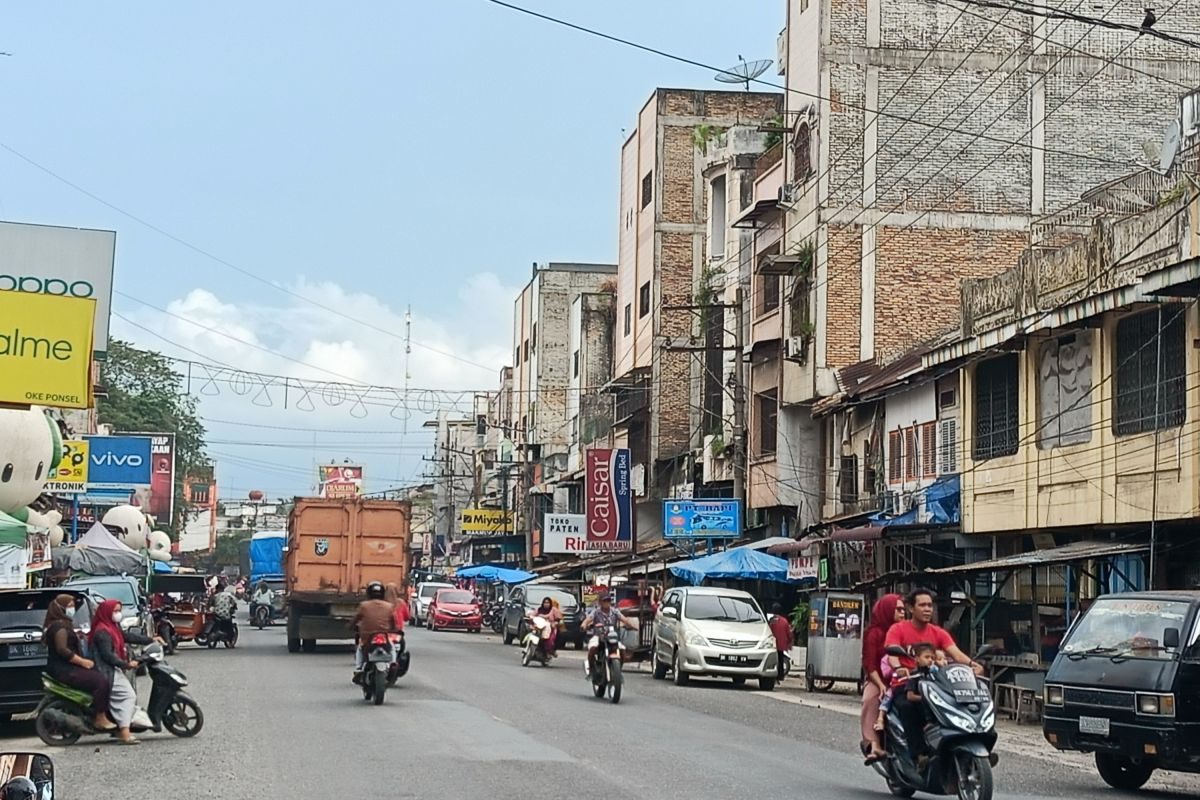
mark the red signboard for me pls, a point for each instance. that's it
(609, 501)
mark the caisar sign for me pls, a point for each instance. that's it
(45, 349)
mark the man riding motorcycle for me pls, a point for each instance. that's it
(598, 622)
(375, 615)
(224, 606)
(919, 629)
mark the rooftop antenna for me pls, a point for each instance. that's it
(744, 71)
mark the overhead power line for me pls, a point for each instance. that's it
(1145, 29)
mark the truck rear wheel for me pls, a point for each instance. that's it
(308, 645)
(293, 634)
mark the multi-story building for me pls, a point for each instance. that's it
(664, 261)
(919, 144)
(452, 471)
(589, 405)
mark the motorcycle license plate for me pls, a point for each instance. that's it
(734, 659)
(1097, 726)
(26, 650)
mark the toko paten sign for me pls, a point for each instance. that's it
(609, 501)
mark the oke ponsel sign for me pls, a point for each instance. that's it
(609, 500)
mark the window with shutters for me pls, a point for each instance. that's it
(948, 446)
(997, 418)
(911, 467)
(895, 456)
(768, 418)
(647, 188)
(1142, 378)
(848, 480)
(1064, 390)
(929, 450)
(869, 466)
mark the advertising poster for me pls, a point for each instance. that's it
(702, 519)
(38, 547)
(802, 567)
(609, 501)
(486, 522)
(844, 620)
(340, 481)
(162, 477)
(45, 349)
(73, 263)
(816, 617)
(565, 533)
(118, 465)
(71, 476)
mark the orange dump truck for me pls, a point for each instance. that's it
(335, 548)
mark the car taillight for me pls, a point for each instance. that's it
(380, 639)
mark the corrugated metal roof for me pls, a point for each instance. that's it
(1067, 553)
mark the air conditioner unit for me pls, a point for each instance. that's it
(794, 348)
(789, 194)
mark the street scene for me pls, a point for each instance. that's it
(510, 399)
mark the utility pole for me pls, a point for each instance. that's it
(739, 400)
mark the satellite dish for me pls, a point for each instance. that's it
(1170, 146)
(744, 71)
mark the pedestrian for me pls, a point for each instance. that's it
(887, 611)
(782, 628)
(65, 661)
(107, 641)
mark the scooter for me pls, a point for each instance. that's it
(493, 616)
(535, 642)
(263, 614)
(65, 714)
(401, 661)
(958, 741)
(164, 628)
(381, 661)
(219, 632)
(604, 669)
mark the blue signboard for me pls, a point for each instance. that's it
(118, 462)
(702, 519)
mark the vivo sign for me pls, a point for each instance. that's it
(118, 462)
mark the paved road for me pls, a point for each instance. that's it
(470, 722)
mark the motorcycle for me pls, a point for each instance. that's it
(164, 628)
(493, 616)
(535, 641)
(381, 669)
(958, 742)
(65, 714)
(604, 667)
(264, 614)
(218, 631)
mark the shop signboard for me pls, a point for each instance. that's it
(118, 464)
(71, 263)
(45, 349)
(71, 475)
(702, 519)
(802, 567)
(564, 533)
(609, 494)
(340, 481)
(844, 619)
(162, 477)
(486, 522)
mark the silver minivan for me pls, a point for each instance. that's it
(701, 630)
(423, 597)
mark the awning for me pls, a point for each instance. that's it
(1066, 554)
(863, 533)
(794, 546)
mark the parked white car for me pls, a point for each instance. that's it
(423, 597)
(701, 630)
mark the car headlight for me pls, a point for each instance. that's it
(768, 643)
(1161, 705)
(1052, 695)
(696, 640)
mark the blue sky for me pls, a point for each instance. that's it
(367, 156)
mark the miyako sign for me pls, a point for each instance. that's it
(46, 349)
(609, 501)
(60, 262)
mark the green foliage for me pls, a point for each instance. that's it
(146, 394)
(799, 620)
(717, 446)
(703, 133)
(773, 137)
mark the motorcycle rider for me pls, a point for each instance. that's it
(598, 623)
(224, 607)
(919, 629)
(19, 788)
(550, 612)
(375, 615)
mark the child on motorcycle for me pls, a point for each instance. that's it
(925, 656)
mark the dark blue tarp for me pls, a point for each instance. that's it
(266, 554)
(943, 503)
(740, 563)
(493, 574)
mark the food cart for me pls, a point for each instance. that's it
(835, 629)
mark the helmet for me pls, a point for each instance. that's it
(20, 788)
(375, 590)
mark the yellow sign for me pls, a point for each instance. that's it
(486, 520)
(46, 349)
(72, 472)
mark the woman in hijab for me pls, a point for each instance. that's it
(392, 595)
(549, 610)
(65, 661)
(107, 641)
(887, 611)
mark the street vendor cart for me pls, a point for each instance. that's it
(835, 628)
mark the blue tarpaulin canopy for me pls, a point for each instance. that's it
(493, 574)
(162, 566)
(740, 563)
(266, 554)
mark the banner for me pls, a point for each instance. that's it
(844, 619)
(486, 521)
(162, 477)
(802, 567)
(702, 519)
(45, 349)
(38, 547)
(118, 463)
(609, 501)
(72, 473)
(340, 481)
(56, 262)
(564, 533)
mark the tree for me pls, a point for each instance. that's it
(146, 394)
